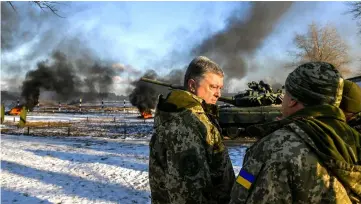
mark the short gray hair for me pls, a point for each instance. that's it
(198, 67)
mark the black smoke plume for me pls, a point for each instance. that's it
(230, 47)
(242, 37)
(68, 79)
(72, 71)
(28, 28)
(144, 95)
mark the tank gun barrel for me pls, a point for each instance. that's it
(223, 99)
(162, 83)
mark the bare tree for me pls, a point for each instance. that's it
(355, 11)
(321, 44)
(44, 5)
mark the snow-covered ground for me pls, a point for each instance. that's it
(78, 169)
(57, 168)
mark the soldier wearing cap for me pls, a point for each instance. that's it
(311, 155)
(351, 104)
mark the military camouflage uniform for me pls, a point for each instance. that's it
(355, 122)
(351, 103)
(188, 161)
(312, 156)
(288, 167)
(289, 171)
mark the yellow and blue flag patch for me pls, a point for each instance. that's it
(245, 179)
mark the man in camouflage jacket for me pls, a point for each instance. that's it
(351, 104)
(311, 155)
(188, 161)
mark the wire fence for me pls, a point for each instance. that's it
(113, 125)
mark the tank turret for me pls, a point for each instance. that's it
(257, 104)
(258, 94)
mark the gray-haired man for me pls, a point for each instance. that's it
(188, 161)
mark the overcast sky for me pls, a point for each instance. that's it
(155, 35)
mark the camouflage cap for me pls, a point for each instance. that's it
(315, 83)
(351, 97)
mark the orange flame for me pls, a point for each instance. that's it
(146, 114)
(15, 111)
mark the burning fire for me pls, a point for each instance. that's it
(146, 114)
(15, 111)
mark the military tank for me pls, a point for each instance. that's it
(257, 104)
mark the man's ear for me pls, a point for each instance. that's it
(292, 103)
(192, 85)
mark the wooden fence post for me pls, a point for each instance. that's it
(125, 129)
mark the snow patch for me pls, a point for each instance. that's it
(79, 169)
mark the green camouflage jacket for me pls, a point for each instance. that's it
(188, 161)
(355, 122)
(290, 166)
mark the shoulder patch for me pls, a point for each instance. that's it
(245, 179)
